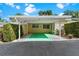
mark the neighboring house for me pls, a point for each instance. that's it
(41, 24)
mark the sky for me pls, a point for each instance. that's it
(32, 9)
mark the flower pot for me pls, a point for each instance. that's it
(70, 36)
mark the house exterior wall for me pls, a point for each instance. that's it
(29, 28)
(38, 30)
(25, 29)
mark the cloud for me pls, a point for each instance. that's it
(60, 14)
(26, 14)
(10, 4)
(30, 8)
(17, 7)
(60, 5)
(13, 5)
(63, 5)
(31, 5)
(26, 4)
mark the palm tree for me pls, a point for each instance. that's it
(74, 14)
(68, 12)
(18, 14)
(41, 13)
(47, 12)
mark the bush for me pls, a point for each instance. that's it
(72, 28)
(8, 33)
(15, 28)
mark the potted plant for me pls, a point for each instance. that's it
(70, 36)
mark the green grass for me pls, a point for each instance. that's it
(38, 35)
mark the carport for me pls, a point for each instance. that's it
(59, 21)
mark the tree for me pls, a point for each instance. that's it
(41, 13)
(74, 14)
(49, 12)
(13, 19)
(67, 12)
(18, 14)
(46, 12)
(1, 20)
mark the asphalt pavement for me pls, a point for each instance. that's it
(40, 48)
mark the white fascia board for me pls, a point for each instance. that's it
(66, 16)
(8, 22)
(27, 19)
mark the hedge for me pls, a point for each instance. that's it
(72, 28)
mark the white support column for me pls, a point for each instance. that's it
(52, 27)
(55, 27)
(27, 28)
(19, 31)
(60, 29)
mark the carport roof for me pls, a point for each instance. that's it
(65, 16)
(31, 19)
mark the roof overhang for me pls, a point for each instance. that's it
(41, 19)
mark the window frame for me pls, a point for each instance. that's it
(35, 25)
(46, 26)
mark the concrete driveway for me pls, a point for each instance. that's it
(41, 48)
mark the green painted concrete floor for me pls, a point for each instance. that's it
(38, 35)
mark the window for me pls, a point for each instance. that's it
(35, 25)
(46, 26)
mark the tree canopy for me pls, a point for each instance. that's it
(18, 14)
(74, 14)
(1, 20)
(45, 12)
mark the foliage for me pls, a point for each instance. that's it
(18, 14)
(74, 14)
(72, 28)
(1, 20)
(46, 12)
(15, 28)
(8, 33)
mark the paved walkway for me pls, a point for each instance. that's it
(41, 48)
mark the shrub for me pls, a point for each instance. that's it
(15, 28)
(8, 33)
(72, 28)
